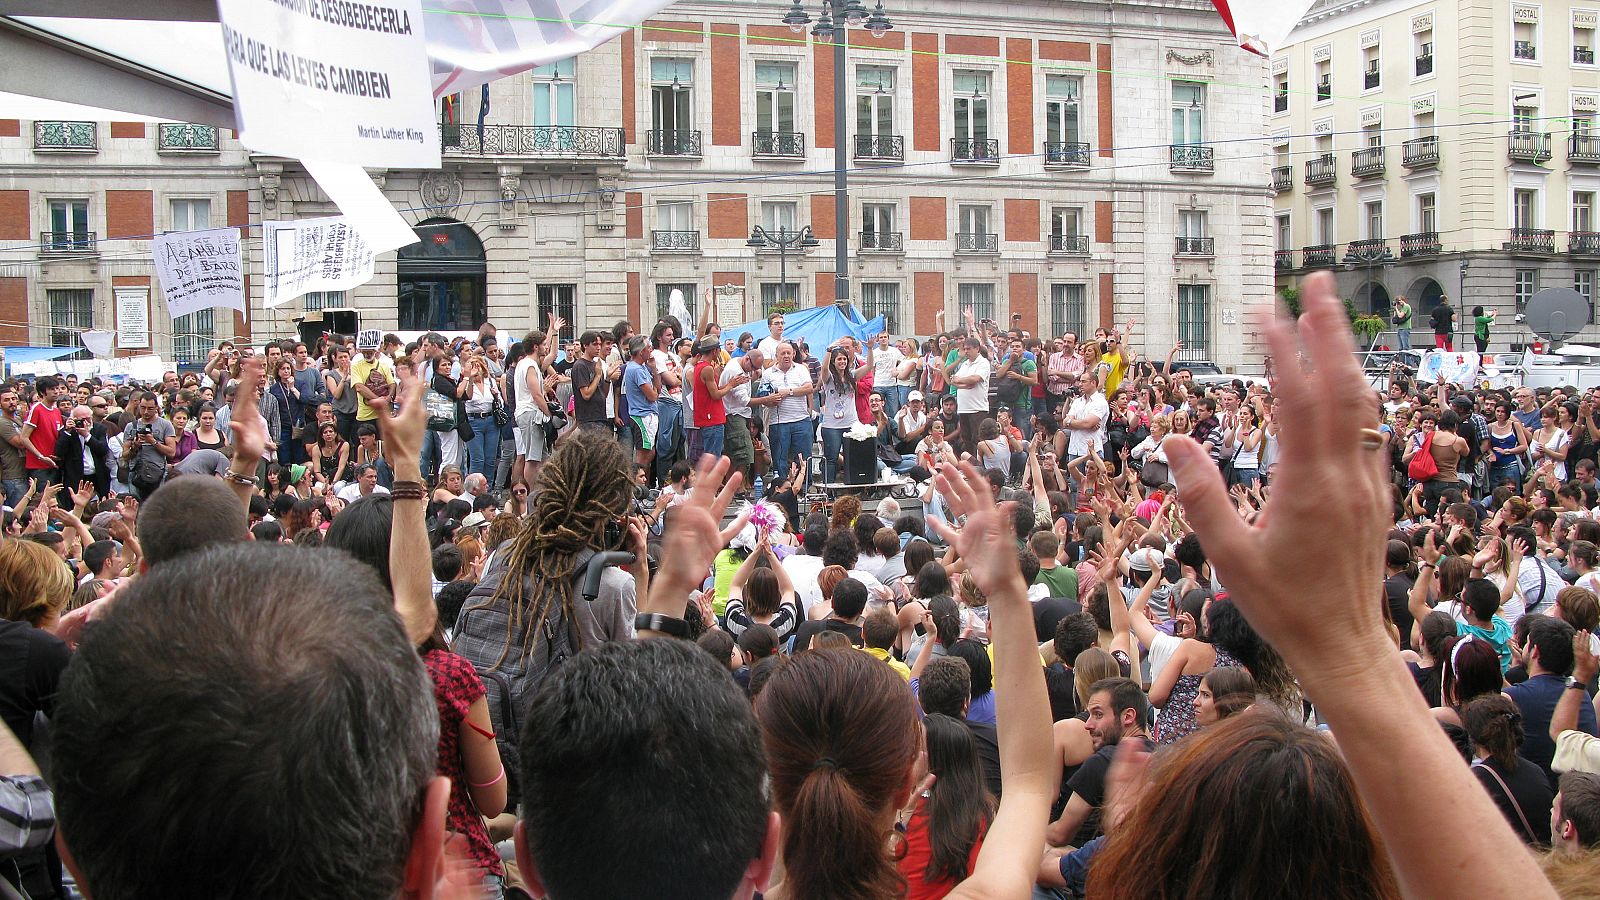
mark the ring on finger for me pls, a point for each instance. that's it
(1371, 439)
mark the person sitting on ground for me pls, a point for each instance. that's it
(1516, 785)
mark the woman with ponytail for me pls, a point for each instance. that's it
(1517, 785)
(947, 820)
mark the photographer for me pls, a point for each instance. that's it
(147, 443)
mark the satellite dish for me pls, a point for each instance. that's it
(1556, 313)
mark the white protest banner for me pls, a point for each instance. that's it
(98, 342)
(362, 204)
(200, 270)
(1457, 367)
(313, 255)
(369, 339)
(339, 80)
(133, 317)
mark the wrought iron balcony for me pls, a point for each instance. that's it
(1367, 161)
(1282, 178)
(1191, 158)
(562, 141)
(1066, 154)
(1367, 250)
(977, 242)
(1324, 89)
(778, 143)
(186, 137)
(67, 242)
(1528, 146)
(880, 146)
(1280, 102)
(1420, 153)
(984, 151)
(887, 241)
(65, 136)
(1069, 243)
(672, 143)
(1423, 243)
(1524, 50)
(1532, 240)
(1583, 56)
(1319, 256)
(674, 240)
(1371, 79)
(1583, 148)
(1584, 243)
(1424, 65)
(1196, 246)
(1282, 260)
(1322, 171)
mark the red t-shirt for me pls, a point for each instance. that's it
(46, 422)
(456, 686)
(913, 864)
(708, 410)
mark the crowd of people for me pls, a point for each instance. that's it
(565, 621)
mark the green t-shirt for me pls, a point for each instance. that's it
(1062, 581)
(949, 360)
(1480, 326)
(1025, 367)
(1402, 315)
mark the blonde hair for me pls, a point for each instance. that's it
(970, 594)
(35, 584)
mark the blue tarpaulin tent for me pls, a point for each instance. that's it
(16, 355)
(818, 327)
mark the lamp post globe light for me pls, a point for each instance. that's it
(833, 21)
(782, 239)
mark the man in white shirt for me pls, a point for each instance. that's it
(886, 362)
(365, 485)
(769, 345)
(1086, 417)
(527, 380)
(970, 374)
(789, 430)
(736, 443)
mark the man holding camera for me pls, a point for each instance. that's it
(148, 442)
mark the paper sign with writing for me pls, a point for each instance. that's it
(133, 317)
(313, 255)
(200, 270)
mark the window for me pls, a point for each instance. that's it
(1325, 225)
(324, 300)
(1194, 317)
(878, 227)
(875, 100)
(1583, 44)
(71, 312)
(691, 297)
(1191, 223)
(1069, 308)
(1583, 211)
(974, 219)
(562, 300)
(1372, 214)
(1524, 208)
(674, 215)
(191, 215)
(882, 298)
(194, 335)
(1324, 81)
(773, 292)
(1427, 212)
(1583, 283)
(672, 94)
(1372, 78)
(1280, 93)
(1188, 112)
(555, 93)
(778, 217)
(1524, 116)
(69, 225)
(1372, 135)
(1525, 41)
(971, 93)
(1062, 94)
(775, 97)
(1424, 45)
(1066, 221)
(977, 297)
(1285, 237)
(1422, 124)
(1523, 286)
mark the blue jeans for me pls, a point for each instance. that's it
(832, 444)
(485, 446)
(1403, 335)
(711, 440)
(891, 400)
(15, 488)
(430, 456)
(902, 395)
(789, 440)
(669, 436)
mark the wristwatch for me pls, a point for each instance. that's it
(1573, 684)
(678, 628)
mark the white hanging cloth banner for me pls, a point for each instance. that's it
(1261, 26)
(677, 307)
(98, 342)
(199, 270)
(313, 255)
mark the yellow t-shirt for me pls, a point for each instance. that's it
(1117, 366)
(899, 667)
(360, 371)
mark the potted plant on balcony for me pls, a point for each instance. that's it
(1367, 328)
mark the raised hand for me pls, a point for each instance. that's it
(985, 540)
(692, 539)
(403, 430)
(248, 428)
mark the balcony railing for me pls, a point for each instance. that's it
(1322, 171)
(1280, 103)
(1067, 154)
(778, 143)
(1528, 146)
(1367, 250)
(977, 242)
(1282, 260)
(1069, 243)
(1532, 240)
(67, 242)
(882, 240)
(1584, 243)
(1583, 56)
(534, 140)
(880, 146)
(1423, 243)
(1367, 161)
(1196, 246)
(674, 240)
(1583, 147)
(65, 136)
(1324, 90)
(1371, 79)
(1319, 256)
(1420, 153)
(1424, 65)
(186, 137)
(1524, 50)
(1282, 178)
(980, 151)
(672, 143)
(1191, 158)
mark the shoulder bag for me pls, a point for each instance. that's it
(1526, 828)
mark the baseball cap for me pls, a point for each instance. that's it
(914, 395)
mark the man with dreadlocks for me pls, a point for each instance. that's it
(527, 614)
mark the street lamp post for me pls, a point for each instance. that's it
(783, 240)
(832, 24)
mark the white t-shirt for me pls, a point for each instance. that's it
(803, 570)
(790, 409)
(885, 360)
(973, 399)
(1081, 441)
(736, 400)
(769, 348)
(520, 382)
(351, 492)
(668, 362)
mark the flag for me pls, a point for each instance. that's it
(1260, 26)
(483, 113)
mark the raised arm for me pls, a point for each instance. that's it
(249, 434)
(410, 573)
